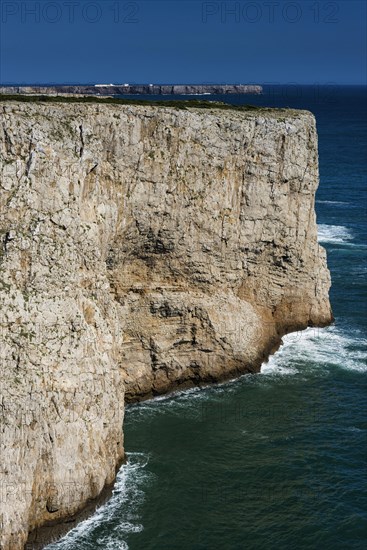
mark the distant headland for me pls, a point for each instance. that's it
(135, 89)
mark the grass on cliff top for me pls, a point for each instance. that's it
(178, 104)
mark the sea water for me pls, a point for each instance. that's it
(275, 460)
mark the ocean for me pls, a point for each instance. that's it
(275, 460)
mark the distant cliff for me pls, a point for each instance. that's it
(136, 89)
(143, 248)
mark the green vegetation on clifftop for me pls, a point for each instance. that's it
(178, 104)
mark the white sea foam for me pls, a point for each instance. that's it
(122, 521)
(112, 544)
(317, 348)
(337, 234)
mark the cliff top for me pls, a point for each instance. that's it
(176, 104)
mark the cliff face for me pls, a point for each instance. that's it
(143, 248)
(140, 89)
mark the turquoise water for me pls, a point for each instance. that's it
(276, 460)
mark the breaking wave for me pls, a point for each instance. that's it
(110, 524)
(316, 348)
(336, 234)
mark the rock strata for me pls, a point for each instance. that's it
(143, 248)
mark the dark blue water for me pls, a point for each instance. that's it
(276, 460)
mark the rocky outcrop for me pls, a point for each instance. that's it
(135, 89)
(143, 248)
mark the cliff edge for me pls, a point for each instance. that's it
(143, 248)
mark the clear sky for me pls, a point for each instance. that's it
(193, 41)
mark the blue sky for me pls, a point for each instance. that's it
(157, 41)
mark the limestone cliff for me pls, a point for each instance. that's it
(142, 248)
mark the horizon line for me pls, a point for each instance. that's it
(73, 83)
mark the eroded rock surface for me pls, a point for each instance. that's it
(142, 249)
